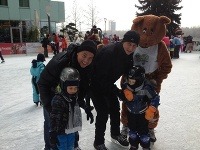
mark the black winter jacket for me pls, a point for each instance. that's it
(110, 63)
(50, 77)
(65, 116)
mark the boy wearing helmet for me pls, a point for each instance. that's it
(142, 102)
(65, 117)
(36, 69)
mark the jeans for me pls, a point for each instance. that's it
(66, 141)
(46, 131)
(46, 128)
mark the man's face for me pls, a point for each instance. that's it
(129, 47)
(85, 58)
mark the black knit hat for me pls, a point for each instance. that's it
(88, 45)
(131, 36)
(40, 57)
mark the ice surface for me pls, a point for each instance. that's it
(21, 122)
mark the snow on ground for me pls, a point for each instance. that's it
(21, 122)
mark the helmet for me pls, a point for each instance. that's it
(137, 73)
(69, 77)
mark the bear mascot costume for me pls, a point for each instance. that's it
(153, 55)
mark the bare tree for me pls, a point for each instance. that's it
(76, 13)
(91, 15)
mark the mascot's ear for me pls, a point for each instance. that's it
(138, 20)
(164, 20)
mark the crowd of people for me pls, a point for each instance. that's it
(177, 44)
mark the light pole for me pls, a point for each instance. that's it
(105, 19)
(80, 26)
(49, 23)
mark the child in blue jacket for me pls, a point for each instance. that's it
(142, 102)
(35, 70)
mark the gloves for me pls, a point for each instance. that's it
(53, 139)
(128, 94)
(119, 93)
(89, 114)
(149, 114)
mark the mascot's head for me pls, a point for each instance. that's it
(151, 29)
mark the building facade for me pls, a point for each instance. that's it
(19, 17)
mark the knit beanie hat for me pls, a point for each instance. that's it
(131, 36)
(40, 57)
(88, 45)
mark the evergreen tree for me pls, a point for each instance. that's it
(162, 8)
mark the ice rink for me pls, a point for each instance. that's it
(21, 122)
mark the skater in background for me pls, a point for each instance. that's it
(36, 69)
(45, 42)
(177, 44)
(2, 59)
(189, 45)
(65, 117)
(56, 42)
(142, 104)
(80, 58)
(64, 43)
(171, 50)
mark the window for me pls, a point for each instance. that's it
(4, 2)
(23, 3)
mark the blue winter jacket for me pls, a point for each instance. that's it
(144, 96)
(36, 69)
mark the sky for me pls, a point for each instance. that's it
(124, 13)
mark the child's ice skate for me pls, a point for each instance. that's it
(124, 131)
(152, 135)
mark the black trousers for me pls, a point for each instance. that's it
(138, 124)
(105, 106)
(1, 56)
(176, 51)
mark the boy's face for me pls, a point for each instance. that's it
(72, 89)
(131, 81)
(129, 47)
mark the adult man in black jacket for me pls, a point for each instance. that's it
(110, 64)
(81, 59)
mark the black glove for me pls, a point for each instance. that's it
(89, 114)
(119, 93)
(53, 139)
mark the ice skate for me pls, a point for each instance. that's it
(100, 147)
(3, 61)
(133, 148)
(124, 131)
(120, 140)
(152, 135)
(36, 103)
(77, 148)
